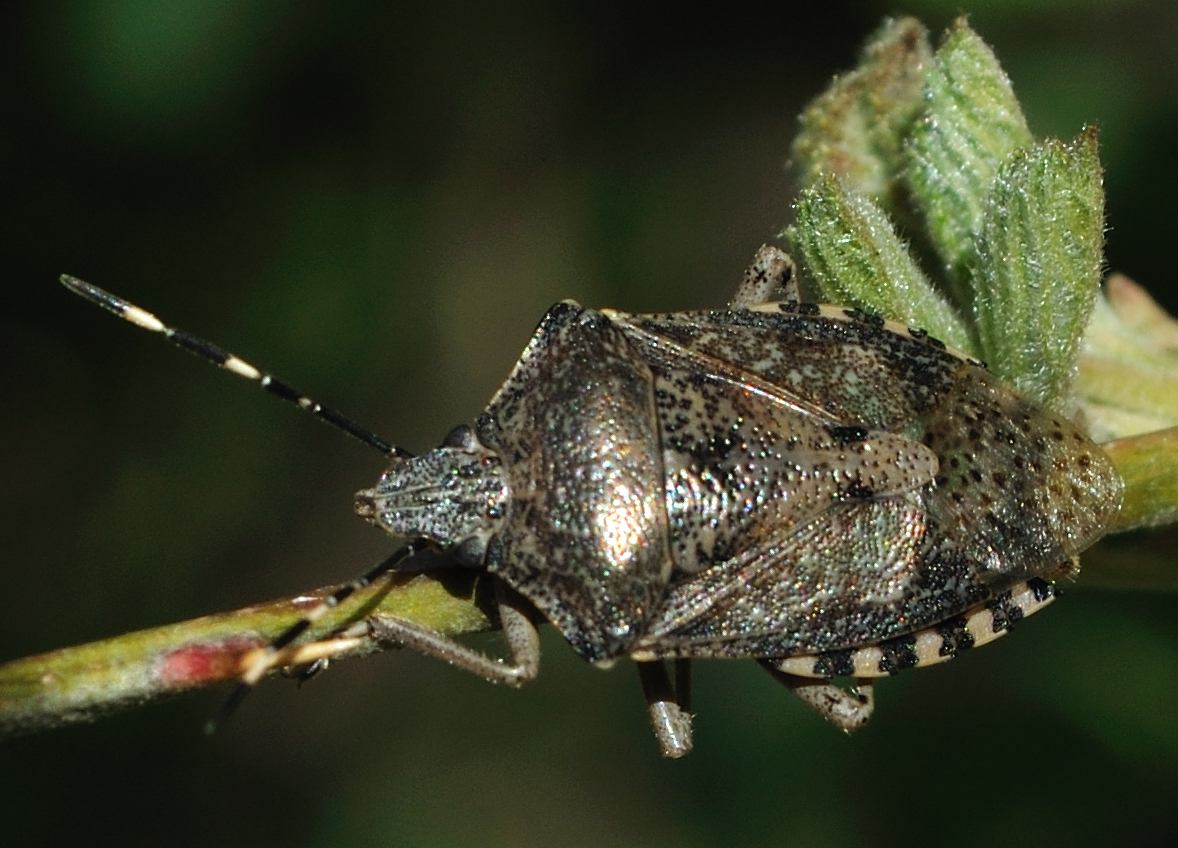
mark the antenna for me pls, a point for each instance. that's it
(227, 361)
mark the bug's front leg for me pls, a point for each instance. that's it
(519, 631)
(846, 709)
(669, 705)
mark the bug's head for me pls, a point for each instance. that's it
(455, 495)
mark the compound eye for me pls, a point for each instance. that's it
(461, 436)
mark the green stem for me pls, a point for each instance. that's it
(84, 682)
(1149, 465)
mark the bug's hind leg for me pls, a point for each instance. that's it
(519, 631)
(846, 709)
(772, 276)
(669, 705)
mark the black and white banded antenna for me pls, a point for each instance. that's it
(271, 655)
(235, 365)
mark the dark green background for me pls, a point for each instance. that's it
(378, 203)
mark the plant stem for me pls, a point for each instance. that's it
(1149, 465)
(84, 682)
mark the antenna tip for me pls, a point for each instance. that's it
(91, 293)
(113, 303)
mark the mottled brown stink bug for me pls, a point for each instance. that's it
(815, 488)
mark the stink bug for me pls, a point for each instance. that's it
(815, 488)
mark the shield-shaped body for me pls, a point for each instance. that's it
(773, 482)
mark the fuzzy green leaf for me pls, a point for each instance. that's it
(970, 124)
(1128, 373)
(855, 257)
(855, 128)
(1038, 261)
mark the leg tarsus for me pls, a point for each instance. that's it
(519, 631)
(305, 673)
(846, 709)
(772, 276)
(668, 705)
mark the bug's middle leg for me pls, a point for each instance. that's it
(772, 276)
(669, 705)
(519, 631)
(846, 709)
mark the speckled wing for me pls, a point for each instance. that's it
(1018, 491)
(1029, 487)
(855, 575)
(835, 363)
(744, 462)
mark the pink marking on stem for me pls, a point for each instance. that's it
(193, 665)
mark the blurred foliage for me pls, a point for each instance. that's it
(1017, 225)
(379, 203)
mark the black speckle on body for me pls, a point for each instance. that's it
(858, 490)
(834, 664)
(955, 637)
(1005, 614)
(898, 654)
(848, 434)
(1041, 588)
